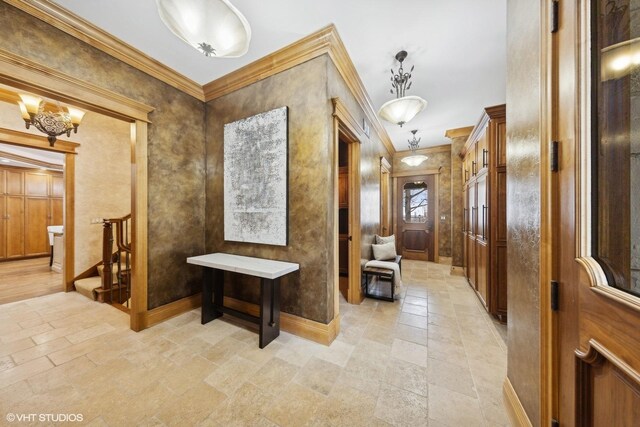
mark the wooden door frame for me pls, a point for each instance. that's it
(436, 227)
(386, 214)
(346, 126)
(23, 74)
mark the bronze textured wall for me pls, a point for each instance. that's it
(308, 293)
(176, 146)
(370, 152)
(524, 94)
(439, 158)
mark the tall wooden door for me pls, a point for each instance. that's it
(596, 215)
(15, 226)
(417, 205)
(36, 221)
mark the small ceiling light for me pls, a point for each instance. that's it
(6, 161)
(404, 108)
(53, 123)
(415, 159)
(213, 27)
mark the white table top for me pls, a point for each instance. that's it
(258, 267)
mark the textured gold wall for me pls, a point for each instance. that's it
(176, 146)
(308, 293)
(524, 94)
(439, 158)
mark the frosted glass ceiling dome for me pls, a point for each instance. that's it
(213, 27)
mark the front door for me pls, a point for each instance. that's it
(416, 207)
(596, 219)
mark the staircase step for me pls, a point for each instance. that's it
(86, 286)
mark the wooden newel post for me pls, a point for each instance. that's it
(107, 256)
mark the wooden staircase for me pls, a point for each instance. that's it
(110, 280)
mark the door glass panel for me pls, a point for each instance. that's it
(415, 203)
(616, 140)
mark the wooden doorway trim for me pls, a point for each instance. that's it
(345, 126)
(436, 225)
(23, 74)
(68, 148)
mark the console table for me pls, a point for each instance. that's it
(269, 272)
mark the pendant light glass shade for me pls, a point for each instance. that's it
(414, 160)
(401, 110)
(214, 27)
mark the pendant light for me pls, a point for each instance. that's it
(404, 108)
(213, 27)
(415, 159)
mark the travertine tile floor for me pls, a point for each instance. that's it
(432, 359)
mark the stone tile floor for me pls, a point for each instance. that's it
(434, 358)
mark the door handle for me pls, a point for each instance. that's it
(350, 238)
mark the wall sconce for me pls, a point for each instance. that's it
(52, 123)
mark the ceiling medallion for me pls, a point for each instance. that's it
(404, 108)
(414, 159)
(213, 27)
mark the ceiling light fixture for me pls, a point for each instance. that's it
(213, 27)
(415, 159)
(53, 123)
(404, 108)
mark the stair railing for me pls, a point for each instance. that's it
(122, 233)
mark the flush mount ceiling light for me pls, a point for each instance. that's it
(53, 123)
(415, 159)
(404, 108)
(213, 27)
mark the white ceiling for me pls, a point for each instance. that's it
(29, 153)
(458, 48)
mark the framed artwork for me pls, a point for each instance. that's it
(256, 178)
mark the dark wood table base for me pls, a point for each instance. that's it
(213, 304)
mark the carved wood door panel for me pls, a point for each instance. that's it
(596, 215)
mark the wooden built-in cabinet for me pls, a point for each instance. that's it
(484, 172)
(30, 200)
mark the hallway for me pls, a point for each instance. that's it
(435, 358)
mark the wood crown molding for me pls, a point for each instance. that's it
(488, 113)
(416, 172)
(32, 162)
(515, 410)
(458, 132)
(22, 73)
(36, 141)
(325, 41)
(85, 31)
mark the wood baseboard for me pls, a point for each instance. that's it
(167, 311)
(515, 410)
(457, 271)
(296, 325)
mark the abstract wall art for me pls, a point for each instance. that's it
(255, 178)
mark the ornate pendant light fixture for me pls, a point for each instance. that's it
(415, 159)
(53, 123)
(404, 108)
(213, 27)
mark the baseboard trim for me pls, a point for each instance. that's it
(167, 311)
(515, 410)
(296, 325)
(457, 271)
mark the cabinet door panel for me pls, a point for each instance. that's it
(36, 221)
(481, 270)
(3, 227)
(15, 226)
(36, 184)
(15, 183)
(482, 230)
(471, 259)
(56, 215)
(501, 135)
(57, 186)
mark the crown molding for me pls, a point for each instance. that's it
(324, 41)
(30, 161)
(459, 132)
(445, 148)
(81, 29)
